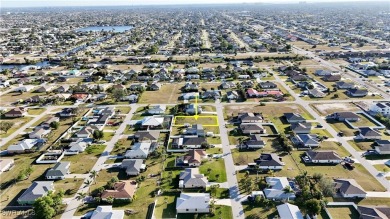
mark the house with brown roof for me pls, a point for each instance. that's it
(122, 190)
(16, 112)
(192, 159)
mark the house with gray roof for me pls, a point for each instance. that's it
(306, 140)
(193, 203)
(382, 146)
(344, 116)
(374, 212)
(254, 142)
(36, 190)
(191, 178)
(344, 85)
(301, 127)
(252, 128)
(146, 136)
(328, 157)
(355, 92)
(275, 191)
(106, 212)
(59, 171)
(133, 167)
(269, 161)
(293, 117)
(349, 188)
(368, 133)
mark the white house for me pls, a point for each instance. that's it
(140, 150)
(156, 110)
(289, 211)
(24, 88)
(6, 164)
(193, 203)
(78, 146)
(22, 146)
(381, 107)
(275, 191)
(107, 212)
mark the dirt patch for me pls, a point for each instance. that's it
(329, 108)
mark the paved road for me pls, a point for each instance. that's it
(374, 172)
(72, 206)
(235, 197)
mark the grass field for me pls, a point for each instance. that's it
(342, 212)
(221, 211)
(341, 126)
(82, 163)
(35, 111)
(203, 120)
(217, 173)
(168, 93)
(17, 123)
(360, 145)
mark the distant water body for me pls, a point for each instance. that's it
(117, 29)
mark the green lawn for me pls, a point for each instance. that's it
(166, 206)
(341, 126)
(224, 212)
(201, 119)
(221, 193)
(82, 163)
(342, 212)
(17, 123)
(217, 167)
(213, 140)
(36, 111)
(259, 212)
(382, 167)
(70, 186)
(361, 145)
(363, 122)
(123, 109)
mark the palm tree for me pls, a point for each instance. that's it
(81, 196)
(93, 174)
(287, 190)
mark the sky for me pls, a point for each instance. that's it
(40, 3)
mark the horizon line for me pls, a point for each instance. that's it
(200, 4)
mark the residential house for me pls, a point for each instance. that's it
(45, 89)
(154, 86)
(355, 92)
(193, 203)
(157, 109)
(344, 116)
(254, 142)
(16, 112)
(196, 129)
(132, 98)
(247, 84)
(123, 190)
(227, 85)
(140, 150)
(66, 112)
(193, 109)
(316, 92)
(269, 161)
(344, 85)
(78, 146)
(39, 132)
(6, 164)
(23, 146)
(59, 171)
(192, 159)
(25, 88)
(374, 212)
(382, 146)
(294, 118)
(252, 128)
(275, 191)
(49, 120)
(349, 188)
(322, 72)
(368, 133)
(211, 94)
(133, 167)
(86, 131)
(36, 190)
(232, 95)
(289, 211)
(252, 93)
(325, 156)
(146, 136)
(380, 107)
(62, 89)
(34, 99)
(250, 117)
(106, 212)
(333, 77)
(137, 87)
(151, 122)
(191, 87)
(267, 85)
(307, 140)
(188, 142)
(191, 178)
(301, 127)
(189, 96)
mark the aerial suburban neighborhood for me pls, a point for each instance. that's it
(219, 111)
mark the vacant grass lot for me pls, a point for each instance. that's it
(361, 145)
(166, 206)
(342, 212)
(35, 111)
(18, 122)
(82, 163)
(341, 127)
(214, 170)
(168, 93)
(203, 120)
(359, 173)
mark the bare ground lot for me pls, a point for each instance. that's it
(169, 93)
(329, 108)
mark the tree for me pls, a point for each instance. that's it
(97, 134)
(287, 190)
(81, 196)
(326, 186)
(54, 125)
(313, 206)
(213, 189)
(48, 206)
(5, 126)
(93, 174)
(118, 94)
